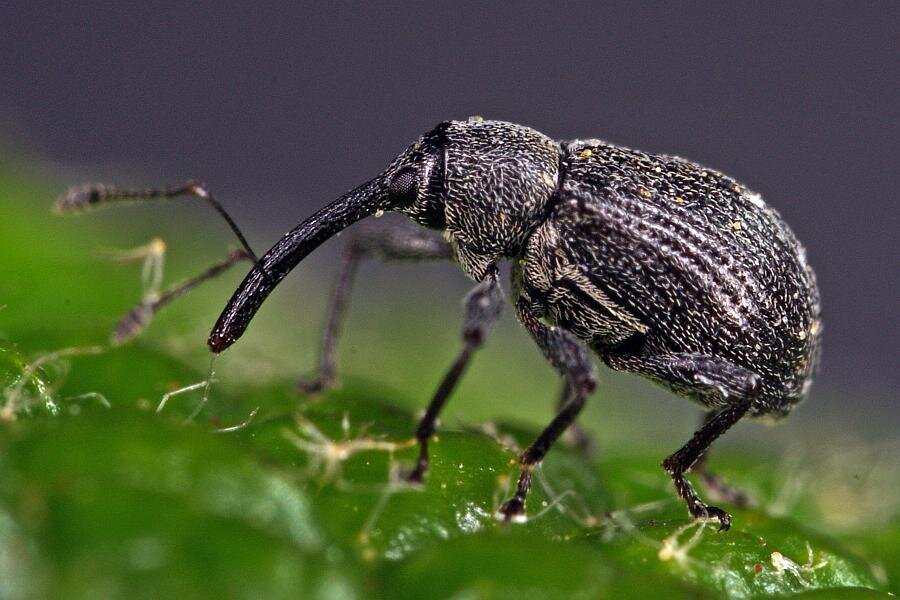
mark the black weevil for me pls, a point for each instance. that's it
(658, 265)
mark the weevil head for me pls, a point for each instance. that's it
(400, 188)
(486, 183)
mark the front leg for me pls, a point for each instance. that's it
(570, 357)
(483, 306)
(391, 242)
(720, 383)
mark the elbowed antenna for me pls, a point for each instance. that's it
(287, 252)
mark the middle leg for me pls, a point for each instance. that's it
(570, 357)
(576, 436)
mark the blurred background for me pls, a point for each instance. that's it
(281, 107)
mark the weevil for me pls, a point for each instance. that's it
(655, 264)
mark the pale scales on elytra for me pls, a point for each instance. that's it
(658, 265)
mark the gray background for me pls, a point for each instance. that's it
(282, 107)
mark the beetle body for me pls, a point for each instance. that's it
(650, 255)
(660, 266)
(632, 252)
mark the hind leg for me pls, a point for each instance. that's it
(734, 388)
(712, 482)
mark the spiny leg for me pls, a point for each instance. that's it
(139, 317)
(570, 357)
(390, 242)
(722, 384)
(483, 306)
(82, 197)
(712, 482)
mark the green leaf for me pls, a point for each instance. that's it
(246, 488)
(133, 502)
(118, 503)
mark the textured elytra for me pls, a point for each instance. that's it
(673, 257)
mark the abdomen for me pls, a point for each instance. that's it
(678, 258)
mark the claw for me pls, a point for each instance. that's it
(415, 477)
(314, 384)
(513, 511)
(723, 517)
(712, 512)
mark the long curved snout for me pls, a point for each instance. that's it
(287, 253)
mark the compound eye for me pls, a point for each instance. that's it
(402, 187)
